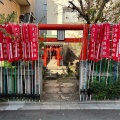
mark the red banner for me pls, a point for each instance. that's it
(119, 41)
(18, 42)
(93, 31)
(26, 42)
(1, 43)
(98, 43)
(105, 46)
(10, 43)
(115, 42)
(33, 29)
(5, 55)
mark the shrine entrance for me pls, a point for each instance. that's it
(52, 53)
(61, 90)
(56, 49)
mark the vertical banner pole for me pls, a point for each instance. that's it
(90, 64)
(118, 62)
(32, 79)
(105, 68)
(93, 71)
(107, 72)
(4, 80)
(117, 71)
(100, 70)
(24, 79)
(21, 80)
(11, 81)
(28, 80)
(111, 70)
(50, 53)
(18, 80)
(35, 76)
(7, 73)
(15, 84)
(39, 68)
(1, 79)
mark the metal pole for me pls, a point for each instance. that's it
(107, 72)
(1, 79)
(39, 68)
(50, 53)
(7, 80)
(21, 80)
(117, 71)
(32, 81)
(15, 84)
(28, 81)
(24, 78)
(90, 65)
(100, 70)
(93, 71)
(18, 80)
(35, 77)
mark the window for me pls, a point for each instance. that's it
(44, 6)
(70, 16)
(1, 1)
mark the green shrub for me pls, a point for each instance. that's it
(113, 91)
(101, 91)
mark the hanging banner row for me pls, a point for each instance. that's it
(104, 42)
(18, 42)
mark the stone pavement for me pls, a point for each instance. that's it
(60, 90)
(26, 105)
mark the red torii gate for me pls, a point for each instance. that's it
(84, 27)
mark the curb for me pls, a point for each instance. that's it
(55, 103)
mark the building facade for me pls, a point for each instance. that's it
(59, 13)
(18, 6)
(41, 13)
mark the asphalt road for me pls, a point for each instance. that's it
(60, 115)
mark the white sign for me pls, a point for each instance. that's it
(61, 34)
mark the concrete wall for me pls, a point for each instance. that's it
(8, 7)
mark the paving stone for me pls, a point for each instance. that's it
(108, 106)
(88, 106)
(52, 90)
(14, 107)
(51, 107)
(60, 90)
(69, 106)
(31, 107)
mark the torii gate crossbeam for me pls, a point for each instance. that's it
(84, 27)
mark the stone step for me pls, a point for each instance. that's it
(51, 73)
(48, 77)
(57, 69)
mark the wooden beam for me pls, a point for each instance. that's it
(62, 26)
(74, 40)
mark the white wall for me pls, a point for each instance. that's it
(55, 16)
